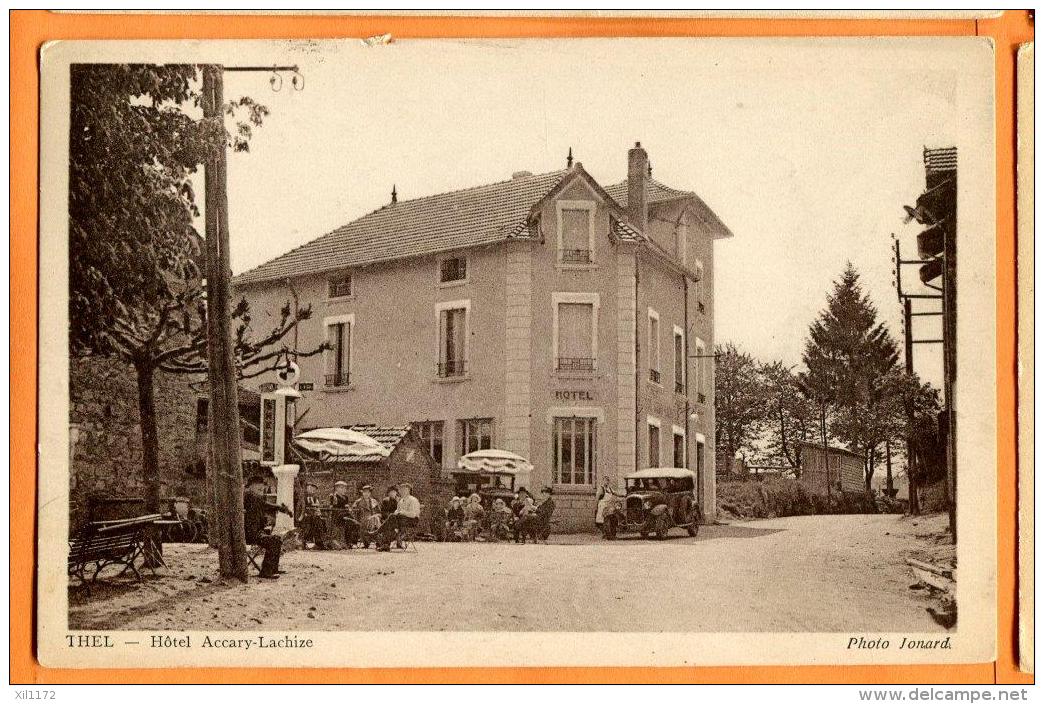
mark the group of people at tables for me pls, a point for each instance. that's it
(467, 519)
(361, 519)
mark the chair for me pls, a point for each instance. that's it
(253, 551)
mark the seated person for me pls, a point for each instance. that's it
(313, 526)
(341, 502)
(403, 519)
(474, 515)
(501, 520)
(538, 522)
(256, 512)
(390, 502)
(367, 514)
(454, 519)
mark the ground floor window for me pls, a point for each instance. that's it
(430, 431)
(654, 443)
(476, 434)
(575, 444)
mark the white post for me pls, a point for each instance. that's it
(285, 475)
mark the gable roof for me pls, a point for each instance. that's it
(428, 225)
(455, 220)
(656, 192)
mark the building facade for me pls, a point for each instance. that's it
(546, 315)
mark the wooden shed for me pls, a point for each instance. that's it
(826, 470)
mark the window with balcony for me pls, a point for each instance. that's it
(475, 434)
(453, 270)
(575, 332)
(679, 360)
(654, 346)
(575, 447)
(453, 339)
(340, 286)
(575, 232)
(431, 433)
(339, 354)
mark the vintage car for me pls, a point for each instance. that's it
(656, 500)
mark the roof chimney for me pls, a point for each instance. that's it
(637, 171)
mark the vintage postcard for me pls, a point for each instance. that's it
(517, 352)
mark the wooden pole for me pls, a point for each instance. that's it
(911, 454)
(225, 439)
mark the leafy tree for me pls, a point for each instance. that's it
(137, 291)
(850, 359)
(739, 402)
(789, 417)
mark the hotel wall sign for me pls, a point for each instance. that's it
(573, 395)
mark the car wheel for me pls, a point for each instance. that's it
(693, 528)
(662, 526)
(609, 528)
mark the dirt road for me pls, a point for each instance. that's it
(814, 573)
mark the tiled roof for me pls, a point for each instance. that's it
(438, 223)
(654, 192)
(389, 436)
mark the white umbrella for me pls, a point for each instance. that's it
(498, 461)
(340, 442)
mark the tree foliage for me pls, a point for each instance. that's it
(790, 418)
(137, 290)
(739, 397)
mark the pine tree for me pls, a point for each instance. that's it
(850, 360)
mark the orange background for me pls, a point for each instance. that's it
(30, 29)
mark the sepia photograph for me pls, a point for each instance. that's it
(600, 351)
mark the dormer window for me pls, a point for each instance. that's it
(340, 286)
(576, 233)
(453, 270)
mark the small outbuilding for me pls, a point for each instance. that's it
(401, 457)
(830, 470)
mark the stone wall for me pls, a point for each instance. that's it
(107, 454)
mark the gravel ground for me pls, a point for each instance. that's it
(809, 573)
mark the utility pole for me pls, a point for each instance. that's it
(911, 450)
(225, 477)
(225, 440)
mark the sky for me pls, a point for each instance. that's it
(807, 150)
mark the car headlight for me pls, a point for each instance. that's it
(647, 505)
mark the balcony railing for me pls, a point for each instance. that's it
(451, 368)
(575, 256)
(575, 364)
(701, 397)
(337, 380)
(679, 387)
(654, 375)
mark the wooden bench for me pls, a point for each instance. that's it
(118, 542)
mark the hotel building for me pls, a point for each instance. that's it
(566, 321)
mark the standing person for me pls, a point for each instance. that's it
(606, 499)
(403, 519)
(517, 505)
(256, 512)
(341, 503)
(313, 527)
(367, 513)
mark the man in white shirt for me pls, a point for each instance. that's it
(404, 519)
